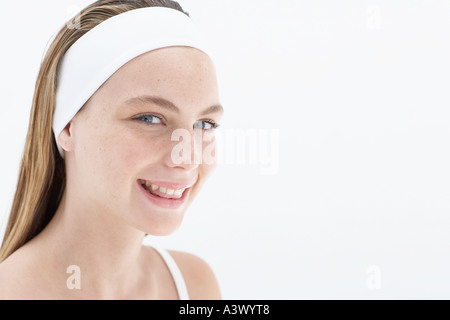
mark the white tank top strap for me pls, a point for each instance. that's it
(175, 271)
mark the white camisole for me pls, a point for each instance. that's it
(175, 271)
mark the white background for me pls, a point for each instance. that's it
(359, 91)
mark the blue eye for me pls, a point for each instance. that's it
(147, 118)
(207, 125)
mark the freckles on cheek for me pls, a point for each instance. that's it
(119, 154)
(126, 154)
(131, 153)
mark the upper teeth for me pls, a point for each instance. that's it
(176, 192)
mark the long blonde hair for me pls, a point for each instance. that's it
(42, 179)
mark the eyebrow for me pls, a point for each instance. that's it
(166, 104)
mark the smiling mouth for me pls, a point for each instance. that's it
(162, 192)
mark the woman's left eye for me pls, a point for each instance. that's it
(206, 125)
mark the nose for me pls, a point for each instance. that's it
(185, 149)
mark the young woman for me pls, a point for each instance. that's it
(118, 92)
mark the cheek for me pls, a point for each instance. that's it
(126, 154)
(117, 156)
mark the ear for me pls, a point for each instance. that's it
(66, 139)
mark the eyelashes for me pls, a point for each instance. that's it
(148, 120)
(211, 123)
(146, 117)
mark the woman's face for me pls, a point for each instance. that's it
(135, 132)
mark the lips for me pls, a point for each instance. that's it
(162, 191)
(163, 201)
(165, 189)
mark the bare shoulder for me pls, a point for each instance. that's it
(21, 278)
(3, 282)
(200, 279)
(9, 282)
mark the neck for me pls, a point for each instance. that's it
(106, 250)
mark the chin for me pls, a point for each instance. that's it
(162, 229)
(158, 223)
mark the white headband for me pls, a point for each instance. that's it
(98, 54)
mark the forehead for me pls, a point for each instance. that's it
(167, 69)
